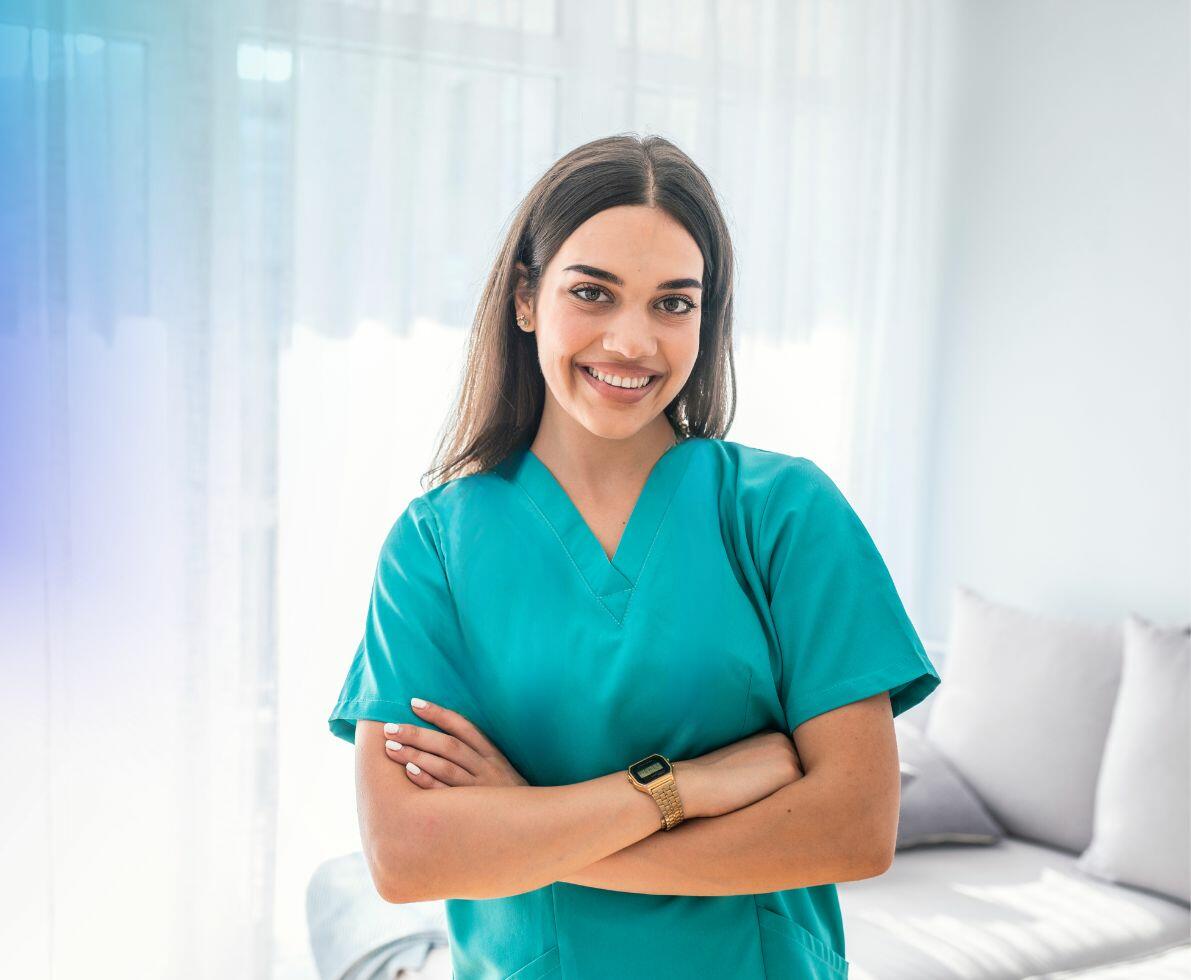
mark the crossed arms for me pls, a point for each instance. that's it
(838, 822)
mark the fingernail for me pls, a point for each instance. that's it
(417, 702)
(412, 768)
(390, 744)
(391, 729)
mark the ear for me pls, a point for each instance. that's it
(522, 299)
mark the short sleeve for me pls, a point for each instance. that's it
(412, 644)
(841, 626)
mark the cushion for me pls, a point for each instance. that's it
(1012, 909)
(937, 806)
(1168, 963)
(1142, 826)
(1023, 714)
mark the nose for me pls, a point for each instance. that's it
(631, 337)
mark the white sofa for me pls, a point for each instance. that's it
(1082, 797)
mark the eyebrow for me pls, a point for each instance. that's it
(612, 277)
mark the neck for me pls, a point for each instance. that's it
(574, 452)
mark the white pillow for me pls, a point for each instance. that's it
(1142, 831)
(1023, 714)
(936, 806)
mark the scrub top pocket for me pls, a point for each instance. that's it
(546, 965)
(790, 950)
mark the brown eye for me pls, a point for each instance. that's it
(586, 289)
(690, 307)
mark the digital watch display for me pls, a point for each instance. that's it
(650, 768)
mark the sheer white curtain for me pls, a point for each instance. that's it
(240, 245)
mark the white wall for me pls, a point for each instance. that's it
(1063, 421)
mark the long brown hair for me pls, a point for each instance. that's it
(502, 391)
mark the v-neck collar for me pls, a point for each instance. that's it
(611, 580)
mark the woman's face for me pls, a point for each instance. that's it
(622, 297)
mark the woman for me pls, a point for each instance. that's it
(600, 590)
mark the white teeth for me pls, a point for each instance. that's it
(617, 380)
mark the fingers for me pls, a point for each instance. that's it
(454, 723)
(445, 745)
(420, 776)
(425, 768)
(453, 753)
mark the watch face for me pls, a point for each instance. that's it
(650, 768)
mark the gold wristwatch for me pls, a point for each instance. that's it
(655, 775)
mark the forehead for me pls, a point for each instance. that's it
(635, 242)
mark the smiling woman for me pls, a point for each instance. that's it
(598, 577)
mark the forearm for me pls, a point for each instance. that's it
(806, 833)
(493, 841)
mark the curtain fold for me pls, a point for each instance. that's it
(241, 245)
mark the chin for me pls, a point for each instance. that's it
(616, 429)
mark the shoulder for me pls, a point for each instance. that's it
(453, 514)
(761, 478)
(767, 499)
(465, 497)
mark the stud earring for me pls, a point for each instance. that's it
(523, 322)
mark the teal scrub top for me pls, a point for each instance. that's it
(745, 594)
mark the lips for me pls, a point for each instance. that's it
(615, 394)
(620, 370)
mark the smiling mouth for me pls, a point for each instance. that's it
(627, 384)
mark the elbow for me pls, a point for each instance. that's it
(879, 852)
(398, 873)
(860, 862)
(883, 860)
(403, 875)
(865, 834)
(856, 864)
(399, 880)
(380, 870)
(867, 852)
(880, 823)
(393, 888)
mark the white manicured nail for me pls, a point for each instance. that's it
(390, 744)
(417, 702)
(412, 768)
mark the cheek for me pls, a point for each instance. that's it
(567, 338)
(681, 353)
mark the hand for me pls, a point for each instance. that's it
(737, 775)
(459, 755)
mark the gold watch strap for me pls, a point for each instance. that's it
(668, 801)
